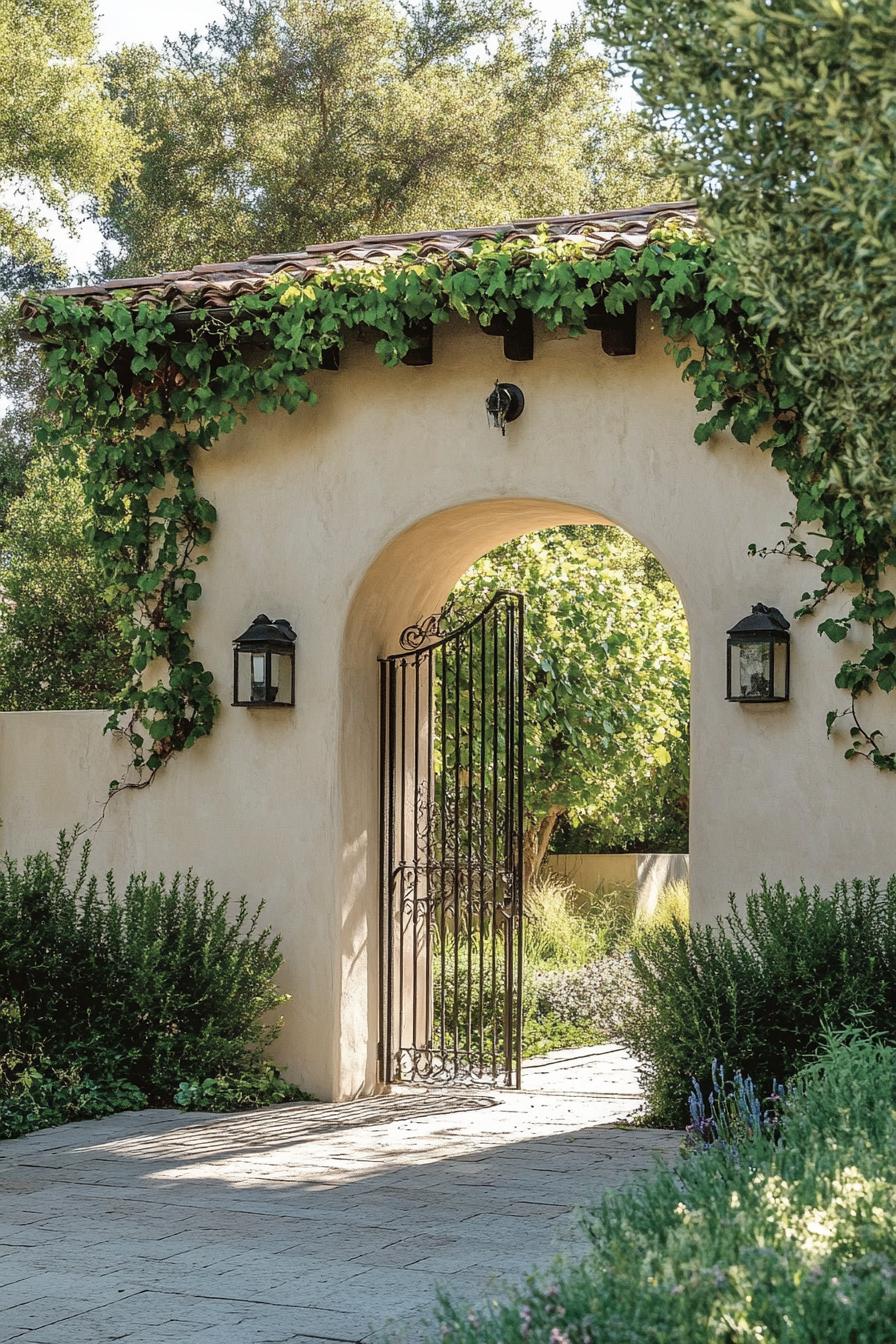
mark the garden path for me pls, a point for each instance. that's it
(307, 1222)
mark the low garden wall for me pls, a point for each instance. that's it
(645, 874)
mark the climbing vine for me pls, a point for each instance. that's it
(137, 389)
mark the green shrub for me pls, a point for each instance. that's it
(592, 998)
(547, 1030)
(261, 1086)
(672, 907)
(143, 989)
(667, 833)
(789, 1241)
(36, 1092)
(755, 989)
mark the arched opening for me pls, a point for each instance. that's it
(410, 578)
(604, 689)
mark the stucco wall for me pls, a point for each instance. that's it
(647, 875)
(355, 516)
(595, 872)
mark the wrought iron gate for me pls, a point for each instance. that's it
(451, 862)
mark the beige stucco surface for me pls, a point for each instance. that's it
(595, 872)
(354, 517)
(641, 877)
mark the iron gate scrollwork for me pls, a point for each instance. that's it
(451, 850)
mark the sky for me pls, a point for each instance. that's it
(124, 21)
(121, 21)
(127, 21)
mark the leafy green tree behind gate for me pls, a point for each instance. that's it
(607, 684)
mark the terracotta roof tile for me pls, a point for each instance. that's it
(216, 284)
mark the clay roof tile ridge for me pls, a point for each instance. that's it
(209, 280)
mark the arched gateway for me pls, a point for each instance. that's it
(353, 519)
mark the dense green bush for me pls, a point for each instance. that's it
(755, 989)
(787, 1241)
(35, 1092)
(111, 999)
(260, 1085)
(665, 833)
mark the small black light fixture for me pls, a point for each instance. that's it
(264, 665)
(759, 658)
(504, 403)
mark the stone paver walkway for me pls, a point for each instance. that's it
(305, 1223)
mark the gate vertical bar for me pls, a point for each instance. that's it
(482, 839)
(467, 923)
(416, 799)
(455, 847)
(495, 857)
(442, 851)
(427, 857)
(400, 870)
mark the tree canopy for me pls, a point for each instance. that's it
(785, 116)
(59, 134)
(21, 376)
(607, 675)
(60, 138)
(299, 121)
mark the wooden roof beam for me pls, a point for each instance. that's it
(518, 335)
(420, 352)
(618, 331)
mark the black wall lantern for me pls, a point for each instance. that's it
(264, 664)
(759, 658)
(504, 403)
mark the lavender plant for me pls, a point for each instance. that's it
(732, 1112)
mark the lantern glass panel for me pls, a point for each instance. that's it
(281, 664)
(263, 677)
(780, 654)
(259, 678)
(753, 670)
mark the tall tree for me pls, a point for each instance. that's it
(607, 677)
(21, 377)
(60, 138)
(784, 117)
(298, 121)
(59, 134)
